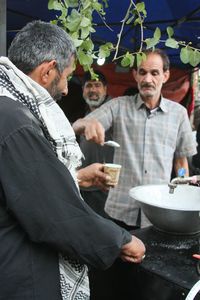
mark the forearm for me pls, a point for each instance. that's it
(91, 128)
(181, 162)
(79, 126)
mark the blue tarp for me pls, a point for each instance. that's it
(182, 15)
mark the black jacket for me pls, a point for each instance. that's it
(41, 213)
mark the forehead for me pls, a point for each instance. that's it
(153, 62)
(93, 83)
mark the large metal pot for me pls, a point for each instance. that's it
(177, 213)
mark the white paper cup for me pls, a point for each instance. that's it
(113, 170)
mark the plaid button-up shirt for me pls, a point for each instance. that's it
(149, 143)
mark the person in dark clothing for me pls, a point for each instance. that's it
(195, 162)
(95, 94)
(48, 234)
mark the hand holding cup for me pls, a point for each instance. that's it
(113, 170)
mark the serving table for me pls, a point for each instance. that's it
(168, 271)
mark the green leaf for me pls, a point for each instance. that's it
(104, 50)
(128, 60)
(130, 20)
(103, 53)
(71, 3)
(92, 30)
(106, 3)
(73, 26)
(54, 4)
(145, 13)
(140, 7)
(137, 21)
(85, 31)
(97, 6)
(144, 57)
(171, 43)
(109, 45)
(194, 57)
(139, 59)
(55, 22)
(74, 15)
(63, 15)
(157, 34)
(184, 55)
(84, 59)
(73, 21)
(151, 42)
(88, 45)
(86, 4)
(170, 31)
(85, 22)
(77, 42)
(125, 62)
(94, 76)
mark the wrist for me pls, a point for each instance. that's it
(78, 176)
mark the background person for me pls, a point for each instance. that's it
(95, 94)
(47, 233)
(154, 133)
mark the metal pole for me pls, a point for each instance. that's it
(3, 40)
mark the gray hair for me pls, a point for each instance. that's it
(40, 42)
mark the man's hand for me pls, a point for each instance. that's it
(93, 175)
(133, 251)
(91, 128)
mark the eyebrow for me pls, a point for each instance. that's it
(152, 70)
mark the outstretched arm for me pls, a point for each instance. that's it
(91, 128)
(181, 162)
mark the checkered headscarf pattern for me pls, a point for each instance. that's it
(26, 100)
(16, 85)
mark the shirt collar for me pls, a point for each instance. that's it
(140, 103)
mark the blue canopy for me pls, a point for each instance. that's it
(183, 16)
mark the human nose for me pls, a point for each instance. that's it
(93, 88)
(147, 77)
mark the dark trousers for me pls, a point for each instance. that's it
(96, 200)
(125, 226)
(117, 282)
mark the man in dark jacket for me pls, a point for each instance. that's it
(47, 233)
(95, 94)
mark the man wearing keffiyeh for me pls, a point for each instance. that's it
(48, 235)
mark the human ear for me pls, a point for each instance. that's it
(134, 73)
(47, 71)
(166, 76)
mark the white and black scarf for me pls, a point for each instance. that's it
(20, 87)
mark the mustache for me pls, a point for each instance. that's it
(92, 94)
(147, 85)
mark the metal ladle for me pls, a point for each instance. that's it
(112, 144)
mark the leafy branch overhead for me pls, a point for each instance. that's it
(77, 18)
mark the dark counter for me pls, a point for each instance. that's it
(168, 271)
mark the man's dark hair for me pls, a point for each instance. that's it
(87, 77)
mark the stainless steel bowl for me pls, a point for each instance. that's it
(177, 213)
